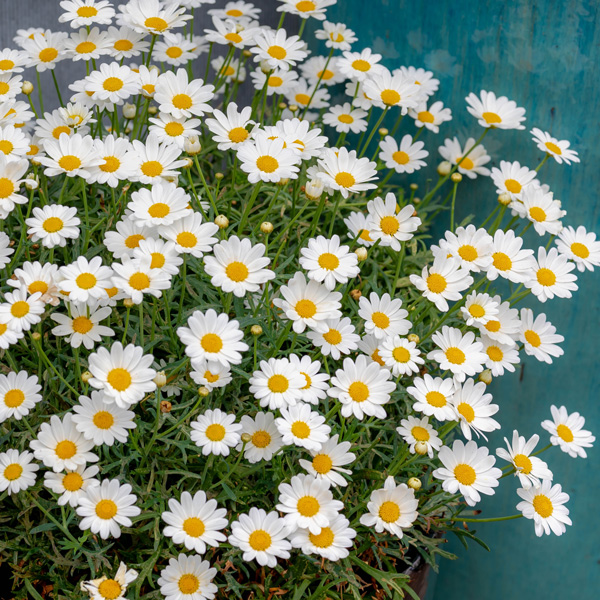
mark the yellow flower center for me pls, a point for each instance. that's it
(109, 589)
(158, 260)
(13, 471)
(259, 540)
(69, 162)
(72, 482)
(112, 84)
(308, 506)
(65, 449)
(275, 81)
(553, 148)
(119, 379)
(401, 355)
(465, 474)
(106, 509)
(533, 338)
(19, 309)
(580, 250)
(491, 118)
(305, 6)
(234, 38)
(322, 463)
(149, 89)
(543, 506)
(261, 439)
(82, 325)
(564, 433)
(513, 186)
(7, 187)
(546, 277)
(211, 342)
(468, 253)
(186, 239)
(302, 99)
(344, 179)
(152, 168)
(85, 47)
(6, 64)
(308, 381)
(333, 337)
(300, 430)
(3, 328)
(436, 399)
(238, 135)
(465, 162)
(329, 261)
(476, 310)
(182, 101)
(390, 97)
(86, 281)
(347, 119)
(58, 131)
(111, 164)
(194, 527)
(493, 326)
(523, 463)
(278, 384)
(6, 146)
(277, 52)
(215, 432)
(425, 117)
(156, 23)
(501, 261)
(306, 308)
(466, 411)
(87, 11)
(188, 584)
(159, 210)
(380, 320)
(420, 433)
(210, 377)
(103, 420)
(495, 353)
(389, 512)
(537, 214)
(267, 164)
(361, 65)
(237, 271)
(401, 157)
(123, 45)
(324, 539)
(174, 52)
(133, 241)
(234, 12)
(14, 398)
(174, 129)
(358, 391)
(455, 355)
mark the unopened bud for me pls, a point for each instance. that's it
(31, 183)
(128, 302)
(293, 107)
(165, 406)
(361, 254)
(485, 376)
(222, 221)
(413, 337)
(283, 182)
(355, 294)
(246, 53)
(129, 111)
(416, 200)
(444, 168)
(256, 330)
(27, 88)
(161, 379)
(192, 145)
(86, 376)
(265, 67)
(414, 186)
(246, 437)
(421, 448)
(504, 198)
(152, 110)
(189, 163)
(266, 227)
(456, 177)
(314, 189)
(219, 176)
(282, 105)
(203, 391)
(383, 131)
(414, 483)
(37, 336)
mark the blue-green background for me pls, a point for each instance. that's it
(545, 56)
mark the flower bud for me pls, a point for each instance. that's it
(283, 182)
(189, 163)
(414, 186)
(414, 483)
(86, 376)
(246, 53)
(485, 376)
(37, 336)
(421, 448)
(355, 294)
(293, 107)
(246, 437)
(256, 330)
(222, 221)
(314, 189)
(219, 176)
(416, 200)
(161, 379)
(165, 406)
(266, 227)
(152, 110)
(282, 105)
(27, 88)
(504, 198)
(413, 337)
(456, 177)
(383, 131)
(361, 254)
(444, 168)
(265, 67)
(128, 302)
(192, 145)
(203, 391)
(129, 110)
(31, 183)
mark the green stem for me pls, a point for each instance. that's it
(249, 207)
(492, 520)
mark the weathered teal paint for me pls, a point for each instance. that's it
(546, 56)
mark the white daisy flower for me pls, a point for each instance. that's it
(59, 445)
(10, 86)
(73, 156)
(13, 142)
(371, 345)
(124, 374)
(20, 311)
(53, 225)
(261, 536)
(460, 354)
(306, 8)
(316, 383)
(430, 117)
(404, 157)
(545, 505)
(188, 577)
(191, 235)
(113, 83)
(383, 316)
(389, 223)
(336, 35)
(266, 159)
(82, 326)
(87, 44)
(511, 178)
(432, 397)
(497, 113)
(105, 588)
(343, 171)
(344, 118)
(474, 408)
(11, 172)
(566, 430)
(277, 50)
(332, 542)
(135, 277)
(179, 97)
(539, 206)
(303, 427)
(8, 336)
(504, 327)
(71, 485)
(428, 84)
(152, 16)
(81, 13)
(401, 356)
(148, 80)
(210, 374)
(392, 508)
(213, 337)
(303, 94)
(195, 522)
(85, 280)
(215, 432)
(470, 159)
(479, 308)
(17, 472)
(472, 247)
(230, 129)
(175, 50)
(126, 43)
(529, 469)
(559, 150)
(12, 61)
(551, 276)
(501, 357)
(358, 227)
(337, 338)
(328, 461)
(156, 160)
(359, 66)
(163, 255)
(509, 259)
(362, 387)
(5, 249)
(277, 383)
(469, 470)
(418, 431)
(233, 72)
(306, 139)
(126, 238)
(172, 130)
(387, 89)
(578, 245)
(278, 82)
(19, 393)
(228, 32)
(539, 336)
(265, 439)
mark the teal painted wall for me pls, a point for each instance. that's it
(546, 56)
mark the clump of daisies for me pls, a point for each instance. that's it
(228, 356)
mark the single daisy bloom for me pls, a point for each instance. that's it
(232, 72)
(301, 426)
(371, 345)
(529, 469)
(87, 44)
(175, 50)
(20, 310)
(328, 461)
(415, 431)
(501, 357)
(479, 308)
(344, 118)
(261, 536)
(177, 96)
(359, 66)
(163, 255)
(308, 303)
(173, 130)
(85, 280)
(126, 43)
(316, 383)
(106, 588)
(81, 13)
(237, 266)
(17, 472)
(195, 522)
(162, 204)
(124, 374)
(277, 383)
(469, 470)
(342, 170)
(211, 375)
(474, 408)
(10, 87)
(278, 82)
(337, 338)
(336, 35)
(539, 206)
(539, 336)
(470, 159)
(13, 142)
(359, 228)
(497, 113)
(11, 173)
(303, 94)
(5, 250)
(332, 542)
(230, 129)
(101, 420)
(305, 138)
(113, 83)
(213, 337)
(551, 275)
(45, 50)
(392, 508)
(432, 397)
(505, 326)
(265, 439)
(191, 235)
(71, 485)
(425, 79)
(215, 432)
(401, 356)
(13, 61)
(472, 247)
(126, 238)
(323, 71)
(8, 336)
(308, 503)
(383, 316)
(59, 445)
(53, 225)
(227, 32)
(512, 179)
(545, 505)
(566, 430)
(19, 393)
(559, 150)
(306, 8)
(362, 387)
(430, 117)
(387, 89)
(509, 259)
(156, 160)
(72, 155)
(152, 16)
(580, 246)
(120, 163)
(460, 354)
(82, 326)
(237, 11)
(277, 50)
(390, 224)
(444, 280)
(187, 578)
(404, 157)
(266, 159)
